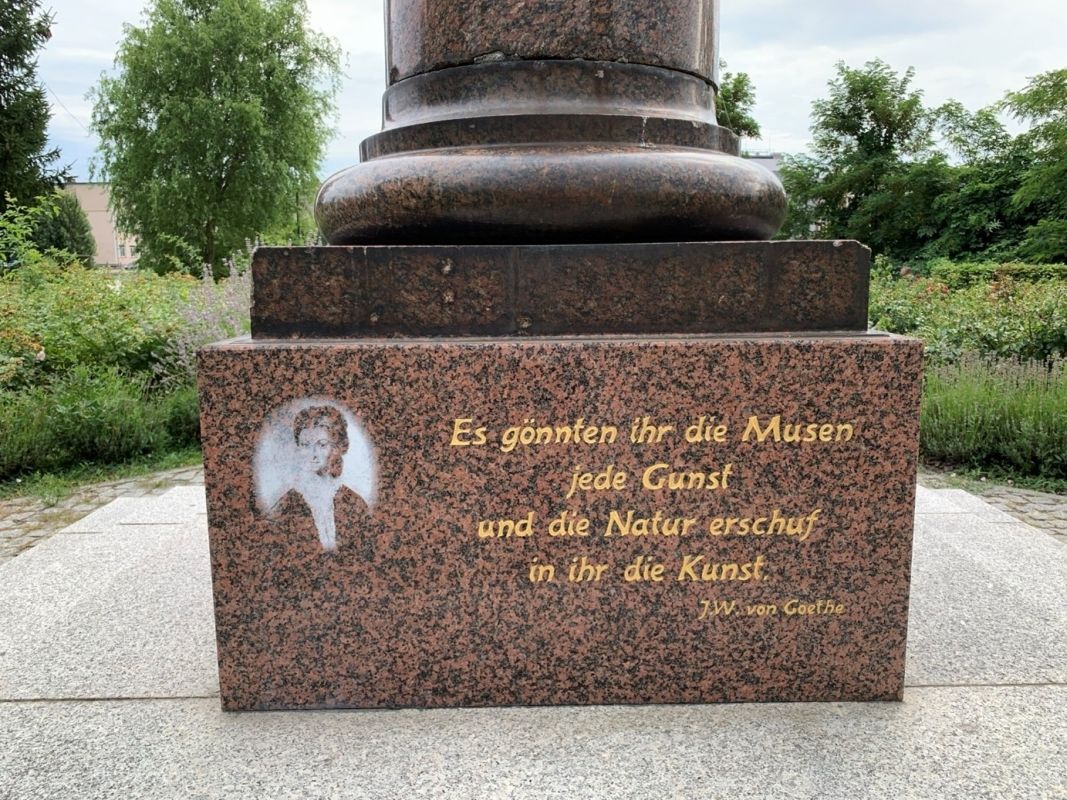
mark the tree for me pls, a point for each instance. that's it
(27, 166)
(64, 226)
(1043, 188)
(212, 129)
(733, 105)
(870, 127)
(978, 217)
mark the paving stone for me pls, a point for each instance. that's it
(970, 503)
(987, 604)
(124, 613)
(940, 743)
(103, 518)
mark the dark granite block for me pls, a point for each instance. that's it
(681, 288)
(359, 558)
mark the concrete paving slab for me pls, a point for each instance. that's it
(126, 613)
(113, 513)
(179, 505)
(932, 501)
(964, 523)
(193, 496)
(988, 604)
(939, 743)
(972, 504)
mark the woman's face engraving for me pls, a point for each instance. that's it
(316, 444)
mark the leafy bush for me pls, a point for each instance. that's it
(1006, 318)
(1008, 413)
(90, 414)
(96, 367)
(70, 316)
(16, 235)
(961, 274)
(167, 255)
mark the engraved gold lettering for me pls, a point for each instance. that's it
(642, 431)
(716, 608)
(659, 476)
(656, 525)
(465, 436)
(506, 528)
(541, 573)
(568, 524)
(799, 527)
(701, 431)
(582, 571)
(795, 433)
(805, 608)
(710, 571)
(530, 434)
(643, 569)
(608, 479)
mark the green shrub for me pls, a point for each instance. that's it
(1003, 412)
(16, 235)
(961, 274)
(180, 416)
(90, 415)
(98, 367)
(57, 318)
(1007, 318)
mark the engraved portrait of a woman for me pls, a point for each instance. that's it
(305, 469)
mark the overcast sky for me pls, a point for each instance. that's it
(970, 50)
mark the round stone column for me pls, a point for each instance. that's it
(550, 121)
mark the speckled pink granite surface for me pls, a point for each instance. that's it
(413, 608)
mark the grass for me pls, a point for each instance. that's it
(91, 415)
(977, 480)
(1002, 419)
(51, 487)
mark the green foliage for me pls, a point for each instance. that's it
(61, 317)
(90, 414)
(875, 175)
(976, 214)
(1043, 187)
(27, 168)
(961, 274)
(1006, 318)
(212, 129)
(16, 235)
(995, 336)
(1005, 413)
(872, 123)
(100, 368)
(733, 105)
(65, 227)
(166, 253)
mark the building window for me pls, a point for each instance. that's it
(122, 251)
(133, 251)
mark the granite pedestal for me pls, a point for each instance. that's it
(399, 520)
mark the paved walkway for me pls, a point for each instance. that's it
(1047, 512)
(109, 689)
(26, 521)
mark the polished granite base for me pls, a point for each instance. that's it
(589, 520)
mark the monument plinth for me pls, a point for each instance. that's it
(522, 436)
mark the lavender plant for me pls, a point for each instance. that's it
(213, 310)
